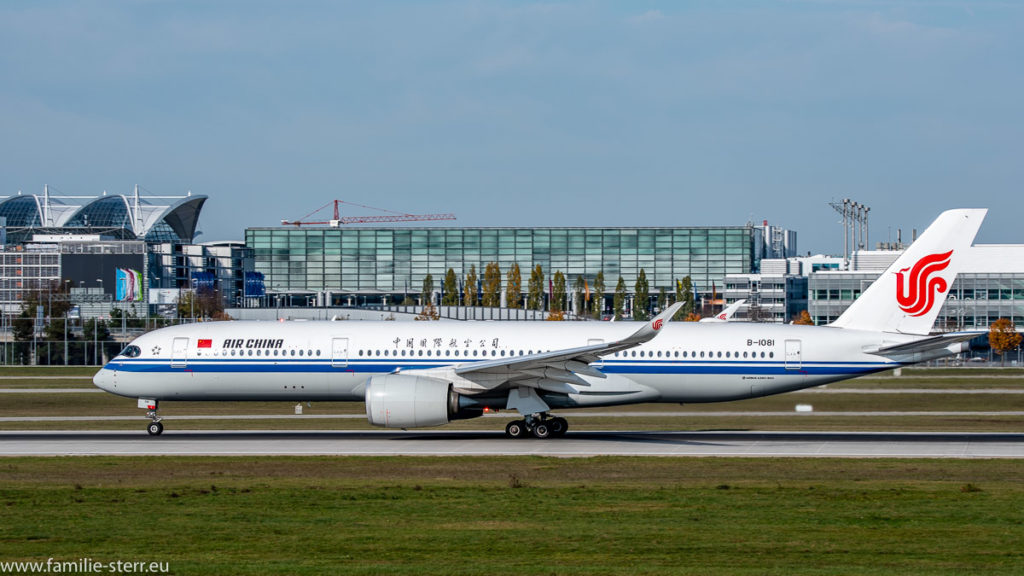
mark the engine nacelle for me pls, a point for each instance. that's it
(400, 401)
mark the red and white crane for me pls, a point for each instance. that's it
(339, 220)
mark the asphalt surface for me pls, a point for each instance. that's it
(458, 443)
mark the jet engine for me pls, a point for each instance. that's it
(401, 401)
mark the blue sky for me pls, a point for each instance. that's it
(526, 114)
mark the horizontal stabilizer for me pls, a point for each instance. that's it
(926, 344)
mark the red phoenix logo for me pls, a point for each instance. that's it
(657, 324)
(916, 293)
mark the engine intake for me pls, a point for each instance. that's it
(400, 401)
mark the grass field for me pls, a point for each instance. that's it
(517, 516)
(514, 516)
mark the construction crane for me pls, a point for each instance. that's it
(339, 220)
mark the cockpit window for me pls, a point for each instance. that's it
(131, 352)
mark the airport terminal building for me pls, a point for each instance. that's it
(357, 266)
(129, 251)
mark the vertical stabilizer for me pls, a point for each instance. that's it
(907, 297)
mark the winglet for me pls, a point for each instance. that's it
(650, 329)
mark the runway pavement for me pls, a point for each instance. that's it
(459, 443)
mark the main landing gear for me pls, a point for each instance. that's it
(540, 425)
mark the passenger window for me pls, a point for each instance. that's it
(771, 354)
(317, 352)
(701, 353)
(258, 352)
(250, 352)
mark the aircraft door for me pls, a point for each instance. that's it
(179, 353)
(600, 361)
(794, 355)
(339, 353)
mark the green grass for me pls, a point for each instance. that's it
(19, 371)
(499, 516)
(43, 404)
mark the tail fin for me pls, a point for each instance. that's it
(907, 297)
(727, 314)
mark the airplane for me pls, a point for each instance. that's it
(424, 374)
(727, 314)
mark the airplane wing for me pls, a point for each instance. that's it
(564, 365)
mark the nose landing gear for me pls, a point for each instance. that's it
(155, 428)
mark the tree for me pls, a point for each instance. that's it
(55, 304)
(579, 294)
(692, 317)
(1003, 337)
(429, 312)
(684, 294)
(492, 285)
(641, 297)
(619, 300)
(203, 303)
(597, 297)
(804, 318)
(451, 289)
(558, 293)
(427, 293)
(662, 298)
(513, 287)
(535, 295)
(95, 330)
(469, 293)
(556, 316)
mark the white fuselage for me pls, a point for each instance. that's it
(686, 362)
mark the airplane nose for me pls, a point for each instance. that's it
(104, 379)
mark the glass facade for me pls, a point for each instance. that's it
(396, 260)
(24, 272)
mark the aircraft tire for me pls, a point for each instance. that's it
(516, 429)
(542, 430)
(155, 428)
(559, 426)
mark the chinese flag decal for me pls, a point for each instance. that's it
(205, 343)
